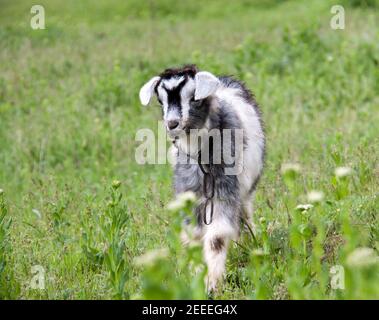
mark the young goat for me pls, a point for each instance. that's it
(193, 99)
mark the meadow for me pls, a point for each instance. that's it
(75, 204)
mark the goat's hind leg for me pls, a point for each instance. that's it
(215, 245)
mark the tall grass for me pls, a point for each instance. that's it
(69, 111)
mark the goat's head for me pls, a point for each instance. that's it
(184, 95)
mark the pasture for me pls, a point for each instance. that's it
(76, 206)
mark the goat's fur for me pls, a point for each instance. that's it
(200, 100)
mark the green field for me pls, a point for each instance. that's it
(69, 112)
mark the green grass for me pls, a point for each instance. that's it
(69, 111)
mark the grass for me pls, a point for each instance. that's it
(69, 111)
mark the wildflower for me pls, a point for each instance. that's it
(262, 220)
(182, 201)
(304, 207)
(290, 168)
(150, 257)
(315, 196)
(341, 172)
(116, 184)
(362, 257)
(259, 252)
(1, 191)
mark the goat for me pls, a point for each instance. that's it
(193, 99)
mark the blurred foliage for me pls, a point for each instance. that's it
(361, 3)
(9, 287)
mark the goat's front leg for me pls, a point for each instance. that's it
(217, 235)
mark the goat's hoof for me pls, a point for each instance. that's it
(212, 285)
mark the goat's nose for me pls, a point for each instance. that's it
(172, 124)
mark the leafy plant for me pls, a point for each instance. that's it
(174, 272)
(9, 288)
(105, 243)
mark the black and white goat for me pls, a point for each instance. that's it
(193, 99)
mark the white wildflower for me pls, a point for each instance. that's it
(362, 257)
(342, 172)
(315, 196)
(259, 252)
(182, 201)
(151, 257)
(304, 207)
(290, 167)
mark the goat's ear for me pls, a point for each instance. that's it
(147, 90)
(206, 84)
